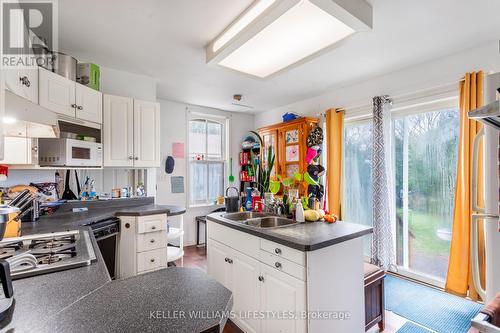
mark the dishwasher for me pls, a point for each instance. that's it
(106, 235)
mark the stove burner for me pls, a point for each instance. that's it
(50, 259)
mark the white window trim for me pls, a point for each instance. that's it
(225, 121)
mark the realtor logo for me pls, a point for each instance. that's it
(28, 31)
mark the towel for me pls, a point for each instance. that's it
(493, 311)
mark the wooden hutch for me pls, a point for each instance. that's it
(289, 142)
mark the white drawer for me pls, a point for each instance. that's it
(282, 251)
(235, 239)
(151, 241)
(150, 260)
(151, 223)
(283, 265)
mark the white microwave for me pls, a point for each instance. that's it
(69, 152)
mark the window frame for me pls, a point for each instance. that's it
(224, 122)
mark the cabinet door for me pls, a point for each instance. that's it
(118, 131)
(282, 293)
(23, 82)
(57, 93)
(16, 150)
(146, 134)
(245, 285)
(88, 104)
(218, 266)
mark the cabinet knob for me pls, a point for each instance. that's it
(277, 264)
(152, 259)
(131, 157)
(277, 250)
(153, 227)
(127, 225)
(25, 81)
(73, 106)
(34, 149)
(136, 158)
(152, 241)
(230, 261)
(261, 278)
(79, 107)
(226, 259)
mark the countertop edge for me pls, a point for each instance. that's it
(297, 246)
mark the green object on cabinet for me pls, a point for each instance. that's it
(89, 75)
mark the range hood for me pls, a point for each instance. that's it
(25, 119)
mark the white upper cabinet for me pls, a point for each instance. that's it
(69, 98)
(57, 93)
(118, 131)
(146, 134)
(88, 104)
(20, 151)
(23, 82)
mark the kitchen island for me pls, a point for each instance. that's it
(302, 277)
(86, 299)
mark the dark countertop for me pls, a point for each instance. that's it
(44, 300)
(151, 210)
(308, 236)
(141, 304)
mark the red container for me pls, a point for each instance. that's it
(257, 204)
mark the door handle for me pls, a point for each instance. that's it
(474, 251)
(474, 180)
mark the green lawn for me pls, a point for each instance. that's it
(423, 227)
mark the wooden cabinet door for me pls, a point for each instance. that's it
(245, 285)
(270, 139)
(282, 293)
(56, 93)
(118, 131)
(291, 147)
(217, 263)
(88, 104)
(146, 134)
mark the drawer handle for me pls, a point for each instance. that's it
(277, 264)
(152, 241)
(152, 259)
(153, 228)
(261, 278)
(277, 250)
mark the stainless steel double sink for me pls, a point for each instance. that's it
(260, 220)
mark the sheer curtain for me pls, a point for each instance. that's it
(382, 251)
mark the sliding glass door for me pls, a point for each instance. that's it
(425, 149)
(425, 153)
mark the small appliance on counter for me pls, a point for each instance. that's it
(232, 202)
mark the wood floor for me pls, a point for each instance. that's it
(195, 257)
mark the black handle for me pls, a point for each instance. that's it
(261, 278)
(6, 279)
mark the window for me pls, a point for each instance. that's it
(206, 161)
(357, 189)
(426, 149)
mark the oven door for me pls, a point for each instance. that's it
(83, 153)
(106, 236)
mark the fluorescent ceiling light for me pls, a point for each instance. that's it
(275, 34)
(240, 24)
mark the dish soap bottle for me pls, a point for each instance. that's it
(248, 200)
(299, 212)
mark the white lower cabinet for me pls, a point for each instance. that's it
(265, 299)
(142, 245)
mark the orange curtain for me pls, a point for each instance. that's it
(334, 136)
(459, 278)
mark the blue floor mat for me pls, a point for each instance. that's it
(412, 328)
(434, 309)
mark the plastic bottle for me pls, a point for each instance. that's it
(248, 201)
(299, 212)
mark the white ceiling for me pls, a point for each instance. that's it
(165, 39)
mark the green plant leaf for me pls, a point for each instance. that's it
(298, 176)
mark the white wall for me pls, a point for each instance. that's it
(439, 72)
(173, 128)
(122, 83)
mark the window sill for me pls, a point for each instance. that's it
(206, 205)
